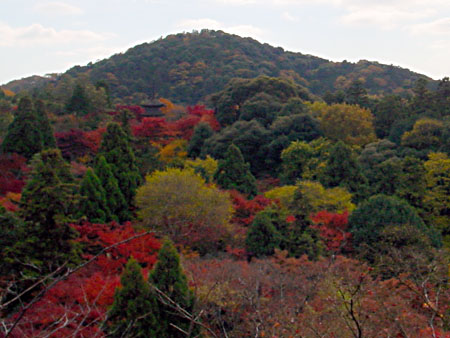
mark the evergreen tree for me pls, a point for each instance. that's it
(79, 102)
(134, 312)
(93, 206)
(380, 212)
(23, 136)
(234, 173)
(47, 205)
(169, 278)
(115, 201)
(299, 238)
(202, 131)
(342, 169)
(118, 153)
(48, 139)
(262, 237)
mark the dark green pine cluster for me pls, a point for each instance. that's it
(108, 190)
(30, 132)
(155, 308)
(234, 173)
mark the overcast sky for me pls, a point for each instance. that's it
(39, 37)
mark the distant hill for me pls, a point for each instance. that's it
(30, 82)
(188, 67)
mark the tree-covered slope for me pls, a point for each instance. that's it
(187, 67)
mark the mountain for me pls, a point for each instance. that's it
(187, 67)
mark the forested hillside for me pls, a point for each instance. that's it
(269, 211)
(190, 66)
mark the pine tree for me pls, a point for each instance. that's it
(342, 169)
(79, 102)
(120, 156)
(262, 237)
(23, 136)
(115, 201)
(47, 205)
(201, 132)
(169, 278)
(234, 173)
(48, 139)
(93, 206)
(134, 312)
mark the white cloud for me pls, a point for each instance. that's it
(198, 24)
(288, 17)
(436, 27)
(57, 8)
(36, 34)
(242, 30)
(387, 17)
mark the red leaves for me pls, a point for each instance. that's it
(332, 228)
(13, 169)
(158, 129)
(245, 210)
(97, 236)
(74, 144)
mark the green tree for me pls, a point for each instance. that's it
(48, 204)
(262, 237)
(299, 238)
(168, 277)
(120, 156)
(437, 195)
(426, 134)
(234, 173)
(93, 204)
(79, 102)
(23, 136)
(201, 132)
(379, 212)
(295, 159)
(48, 139)
(357, 94)
(134, 312)
(114, 198)
(342, 169)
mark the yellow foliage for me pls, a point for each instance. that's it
(174, 199)
(208, 166)
(284, 194)
(8, 92)
(348, 123)
(175, 151)
(317, 109)
(335, 200)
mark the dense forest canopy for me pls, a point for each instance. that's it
(311, 201)
(188, 67)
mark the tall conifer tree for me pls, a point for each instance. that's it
(93, 205)
(115, 200)
(120, 156)
(23, 136)
(48, 203)
(234, 173)
(134, 312)
(48, 139)
(343, 169)
(169, 278)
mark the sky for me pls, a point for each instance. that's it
(42, 37)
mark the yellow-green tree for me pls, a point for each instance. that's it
(348, 123)
(205, 167)
(178, 203)
(318, 198)
(426, 133)
(437, 195)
